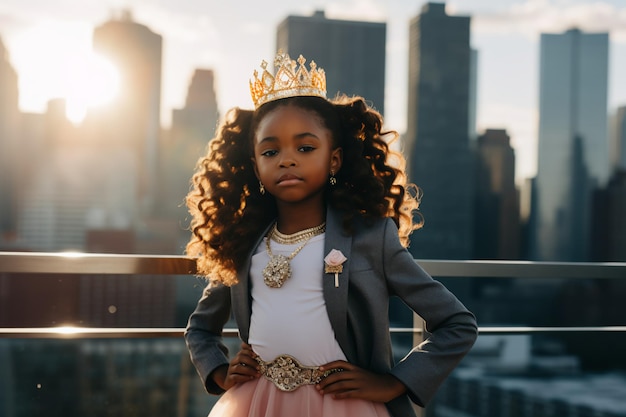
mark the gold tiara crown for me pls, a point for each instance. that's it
(292, 79)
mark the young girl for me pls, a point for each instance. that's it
(301, 215)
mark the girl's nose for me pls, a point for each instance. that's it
(287, 160)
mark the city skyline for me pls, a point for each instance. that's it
(37, 36)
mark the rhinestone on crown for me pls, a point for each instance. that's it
(291, 79)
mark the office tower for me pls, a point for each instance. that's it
(193, 127)
(618, 148)
(200, 112)
(60, 184)
(616, 199)
(9, 117)
(133, 118)
(352, 53)
(436, 142)
(573, 141)
(473, 96)
(497, 224)
(527, 211)
(608, 225)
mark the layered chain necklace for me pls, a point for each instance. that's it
(278, 269)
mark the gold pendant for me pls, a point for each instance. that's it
(277, 271)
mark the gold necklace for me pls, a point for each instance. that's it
(297, 237)
(278, 269)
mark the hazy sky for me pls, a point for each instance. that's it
(46, 39)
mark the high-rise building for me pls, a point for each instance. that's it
(616, 199)
(9, 117)
(473, 96)
(497, 224)
(201, 103)
(193, 127)
(352, 53)
(133, 119)
(527, 211)
(63, 185)
(437, 143)
(608, 221)
(618, 148)
(573, 141)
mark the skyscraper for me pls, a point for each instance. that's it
(618, 150)
(608, 224)
(192, 128)
(63, 185)
(196, 122)
(473, 95)
(133, 119)
(497, 224)
(437, 141)
(8, 144)
(573, 141)
(616, 207)
(352, 53)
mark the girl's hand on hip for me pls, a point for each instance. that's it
(242, 368)
(353, 382)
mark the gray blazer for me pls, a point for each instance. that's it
(378, 266)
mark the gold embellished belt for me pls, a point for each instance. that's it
(288, 374)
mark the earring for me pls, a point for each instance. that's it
(333, 180)
(261, 188)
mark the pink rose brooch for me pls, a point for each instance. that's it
(334, 264)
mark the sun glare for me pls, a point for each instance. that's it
(91, 81)
(57, 61)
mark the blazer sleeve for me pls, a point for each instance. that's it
(451, 328)
(203, 334)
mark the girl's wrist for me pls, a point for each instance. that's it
(395, 386)
(219, 376)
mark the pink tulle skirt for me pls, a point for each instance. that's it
(260, 398)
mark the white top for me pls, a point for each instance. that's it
(292, 319)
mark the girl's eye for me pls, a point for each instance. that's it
(269, 152)
(306, 148)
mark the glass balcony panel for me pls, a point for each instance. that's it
(102, 335)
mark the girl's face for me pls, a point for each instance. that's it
(294, 155)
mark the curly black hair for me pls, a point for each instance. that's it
(228, 211)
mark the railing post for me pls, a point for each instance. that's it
(418, 337)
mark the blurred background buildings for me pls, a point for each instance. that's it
(437, 139)
(573, 142)
(341, 48)
(116, 182)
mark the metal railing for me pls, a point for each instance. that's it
(114, 264)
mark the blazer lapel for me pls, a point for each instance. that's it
(337, 297)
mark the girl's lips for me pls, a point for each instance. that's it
(288, 179)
